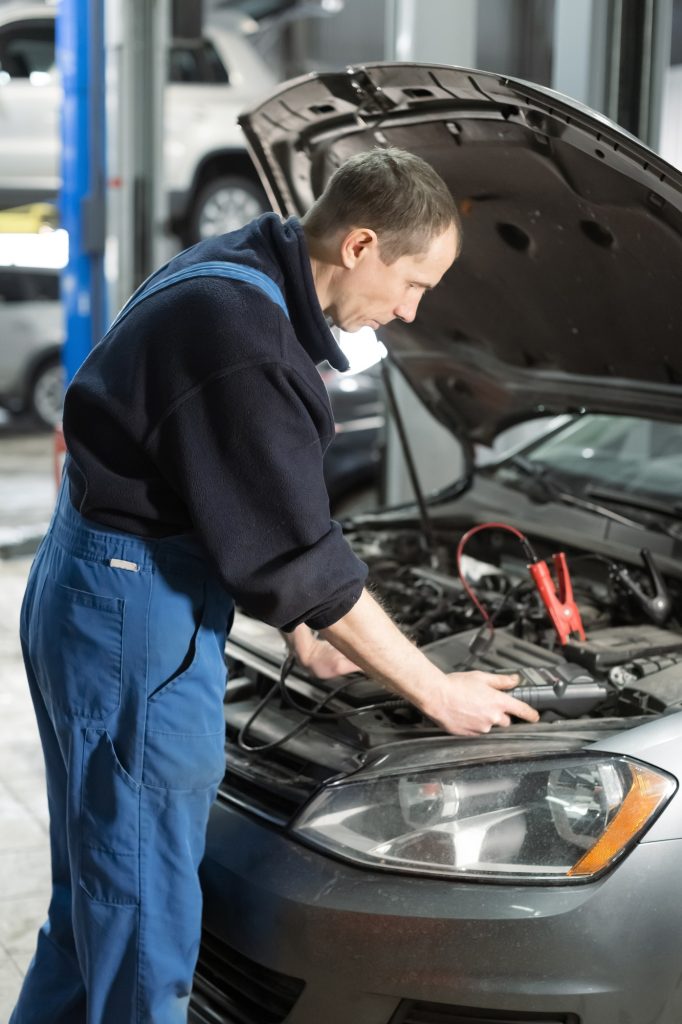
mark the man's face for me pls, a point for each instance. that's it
(371, 293)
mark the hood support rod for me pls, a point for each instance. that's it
(426, 524)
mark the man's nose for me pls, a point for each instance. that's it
(406, 311)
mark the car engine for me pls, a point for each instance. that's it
(630, 662)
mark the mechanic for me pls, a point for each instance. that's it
(196, 430)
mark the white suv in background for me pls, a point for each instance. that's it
(31, 336)
(210, 180)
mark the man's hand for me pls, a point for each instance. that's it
(318, 656)
(464, 703)
(470, 703)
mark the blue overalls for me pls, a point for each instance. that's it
(123, 641)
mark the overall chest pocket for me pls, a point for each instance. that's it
(78, 642)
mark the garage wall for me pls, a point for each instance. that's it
(353, 36)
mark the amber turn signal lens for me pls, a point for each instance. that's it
(646, 794)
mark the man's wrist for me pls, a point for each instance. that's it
(424, 687)
(300, 642)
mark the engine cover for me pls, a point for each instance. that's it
(547, 681)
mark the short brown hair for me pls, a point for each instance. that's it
(391, 191)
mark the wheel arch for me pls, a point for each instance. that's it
(35, 365)
(213, 165)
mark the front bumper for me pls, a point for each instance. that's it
(362, 947)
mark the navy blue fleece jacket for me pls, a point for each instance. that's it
(203, 411)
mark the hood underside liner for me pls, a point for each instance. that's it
(566, 294)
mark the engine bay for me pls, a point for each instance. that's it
(624, 669)
(629, 663)
(287, 731)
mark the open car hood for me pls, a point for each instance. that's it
(567, 294)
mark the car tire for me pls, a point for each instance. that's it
(224, 204)
(46, 393)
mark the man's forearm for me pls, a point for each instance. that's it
(372, 640)
(466, 703)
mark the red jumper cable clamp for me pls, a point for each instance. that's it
(561, 608)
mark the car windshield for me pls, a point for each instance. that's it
(624, 454)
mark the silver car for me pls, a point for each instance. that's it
(31, 335)
(209, 179)
(362, 867)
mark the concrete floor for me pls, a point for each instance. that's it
(28, 491)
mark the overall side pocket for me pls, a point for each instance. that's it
(109, 827)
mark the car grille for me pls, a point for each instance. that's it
(276, 804)
(229, 988)
(410, 1012)
(273, 788)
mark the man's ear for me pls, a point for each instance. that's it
(356, 245)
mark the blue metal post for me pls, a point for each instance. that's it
(81, 62)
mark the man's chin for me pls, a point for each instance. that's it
(353, 326)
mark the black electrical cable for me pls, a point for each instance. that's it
(317, 713)
(476, 648)
(310, 714)
(286, 668)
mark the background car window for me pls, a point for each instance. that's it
(199, 63)
(27, 49)
(214, 69)
(28, 286)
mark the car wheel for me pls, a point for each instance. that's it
(46, 396)
(224, 204)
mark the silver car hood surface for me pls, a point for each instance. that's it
(567, 293)
(522, 742)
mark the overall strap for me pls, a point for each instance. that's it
(211, 268)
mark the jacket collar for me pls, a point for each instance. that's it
(288, 244)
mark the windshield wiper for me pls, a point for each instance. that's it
(673, 510)
(541, 475)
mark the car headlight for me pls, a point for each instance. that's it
(553, 819)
